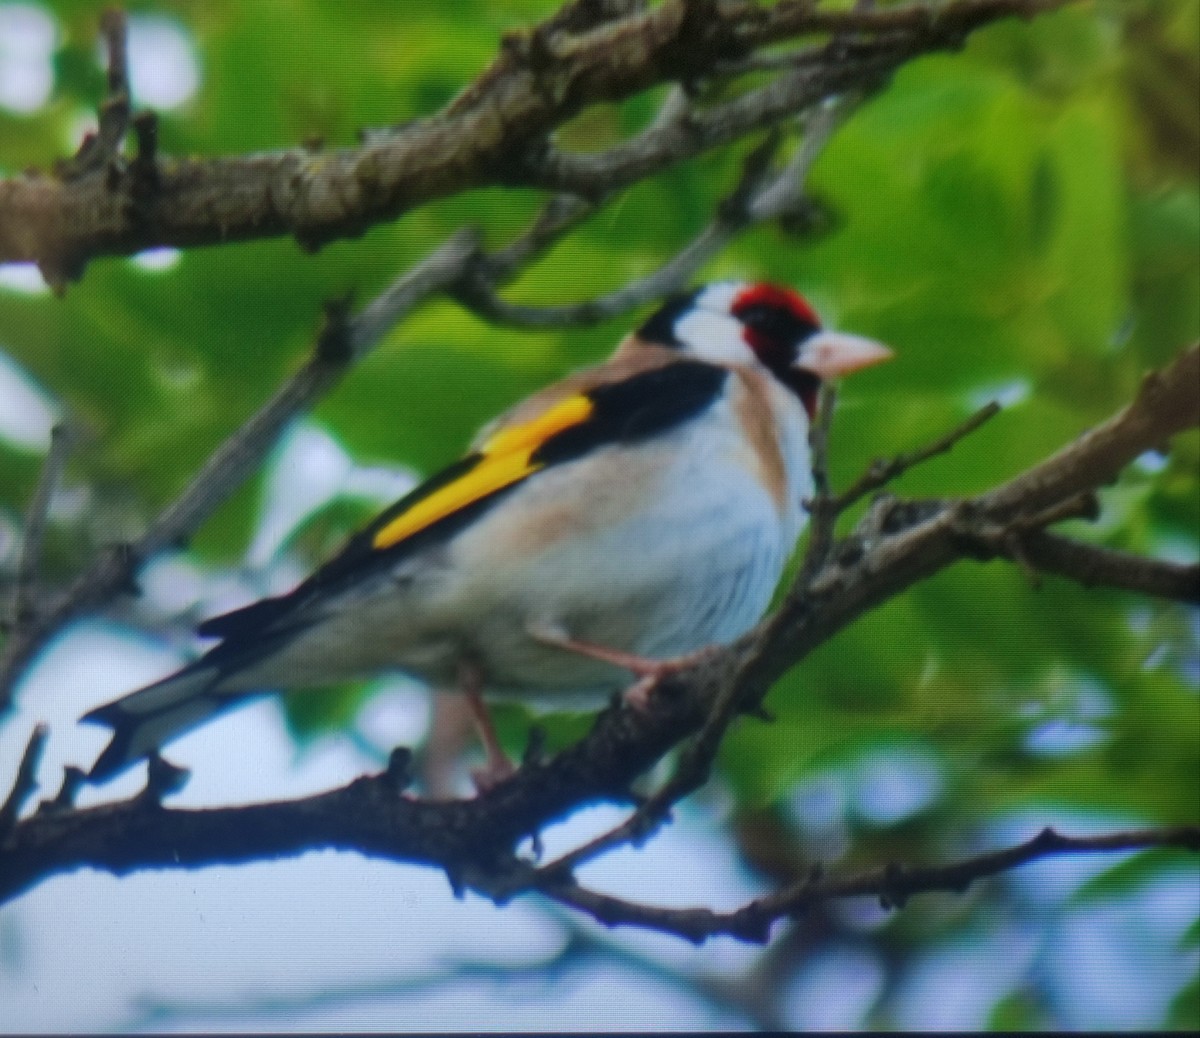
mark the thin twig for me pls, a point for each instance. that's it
(882, 471)
(560, 215)
(36, 517)
(822, 510)
(690, 773)
(760, 196)
(26, 780)
(103, 148)
(893, 885)
(478, 293)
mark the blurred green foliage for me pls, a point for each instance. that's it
(1019, 219)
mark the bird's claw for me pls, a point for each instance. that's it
(637, 696)
(492, 774)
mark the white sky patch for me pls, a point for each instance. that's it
(1061, 737)
(895, 784)
(156, 260)
(1100, 955)
(76, 128)
(819, 806)
(835, 990)
(27, 412)
(23, 278)
(956, 984)
(1151, 462)
(172, 582)
(379, 483)
(396, 713)
(163, 70)
(1006, 394)
(1072, 721)
(27, 38)
(308, 470)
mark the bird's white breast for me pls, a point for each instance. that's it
(657, 549)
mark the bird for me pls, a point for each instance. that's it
(601, 533)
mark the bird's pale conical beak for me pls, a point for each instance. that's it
(833, 354)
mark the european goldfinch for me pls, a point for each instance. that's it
(599, 532)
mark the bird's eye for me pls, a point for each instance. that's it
(771, 322)
(774, 332)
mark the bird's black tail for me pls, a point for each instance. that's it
(143, 720)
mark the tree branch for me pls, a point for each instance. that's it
(495, 132)
(893, 885)
(1096, 566)
(474, 840)
(760, 196)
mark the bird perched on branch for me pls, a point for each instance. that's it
(596, 536)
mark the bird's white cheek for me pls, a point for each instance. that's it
(714, 337)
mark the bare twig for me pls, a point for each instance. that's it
(759, 197)
(1168, 399)
(36, 517)
(560, 215)
(883, 470)
(822, 510)
(893, 885)
(718, 125)
(480, 296)
(1096, 566)
(25, 782)
(102, 150)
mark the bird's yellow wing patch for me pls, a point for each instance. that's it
(532, 434)
(505, 458)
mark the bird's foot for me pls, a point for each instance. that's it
(498, 768)
(493, 773)
(651, 673)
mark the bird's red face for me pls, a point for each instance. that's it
(730, 323)
(775, 323)
(772, 316)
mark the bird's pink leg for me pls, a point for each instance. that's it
(451, 730)
(498, 766)
(648, 672)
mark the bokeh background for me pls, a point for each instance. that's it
(1021, 220)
